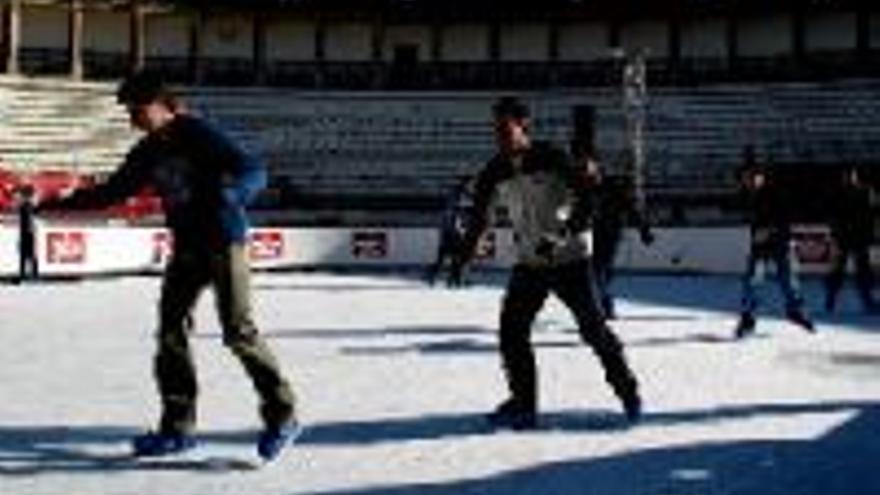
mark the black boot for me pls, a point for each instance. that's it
(799, 318)
(513, 414)
(745, 327)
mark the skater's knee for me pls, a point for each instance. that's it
(601, 338)
(239, 340)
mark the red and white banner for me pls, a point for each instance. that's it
(267, 245)
(66, 247)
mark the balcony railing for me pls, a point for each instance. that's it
(461, 75)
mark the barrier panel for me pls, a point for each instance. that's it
(71, 249)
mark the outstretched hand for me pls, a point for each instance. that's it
(548, 245)
(53, 203)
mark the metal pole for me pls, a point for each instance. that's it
(635, 100)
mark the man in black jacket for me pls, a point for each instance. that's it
(205, 182)
(768, 211)
(547, 199)
(852, 227)
(617, 205)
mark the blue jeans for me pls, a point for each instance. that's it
(786, 277)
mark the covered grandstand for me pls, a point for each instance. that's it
(367, 111)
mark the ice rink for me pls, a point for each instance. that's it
(393, 378)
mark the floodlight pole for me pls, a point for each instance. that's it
(634, 99)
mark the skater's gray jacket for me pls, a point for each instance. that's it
(548, 203)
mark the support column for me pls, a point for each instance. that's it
(194, 55)
(732, 39)
(379, 71)
(615, 38)
(553, 35)
(320, 51)
(494, 42)
(437, 32)
(799, 35)
(12, 33)
(75, 39)
(260, 56)
(136, 36)
(377, 40)
(863, 29)
(320, 39)
(674, 40)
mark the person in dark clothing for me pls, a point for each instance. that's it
(852, 228)
(617, 205)
(768, 212)
(547, 199)
(205, 182)
(452, 227)
(28, 264)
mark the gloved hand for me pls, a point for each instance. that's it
(548, 245)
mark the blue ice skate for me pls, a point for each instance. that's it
(153, 444)
(273, 440)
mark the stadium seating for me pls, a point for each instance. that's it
(390, 146)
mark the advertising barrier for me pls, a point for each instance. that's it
(70, 249)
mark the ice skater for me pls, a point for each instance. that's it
(771, 243)
(205, 181)
(548, 203)
(453, 224)
(28, 261)
(616, 205)
(852, 228)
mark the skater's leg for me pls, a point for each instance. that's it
(787, 277)
(752, 280)
(443, 251)
(865, 278)
(575, 287)
(232, 284)
(603, 267)
(834, 279)
(526, 292)
(174, 369)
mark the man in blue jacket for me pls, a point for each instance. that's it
(205, 181)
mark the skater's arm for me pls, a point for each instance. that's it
(638, 216)
(244, 176)
(484, 190)
(127, 180)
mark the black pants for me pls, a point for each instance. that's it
(864, 275)
(28, 265)
(447, 250)
(527, 290)
(605, 245)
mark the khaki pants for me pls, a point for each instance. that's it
(186, 276)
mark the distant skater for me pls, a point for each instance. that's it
(205, 181)
(852, 228)
(548, 204)
(616, 206)
(768, 210)
(28, 261)
(453, 224)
